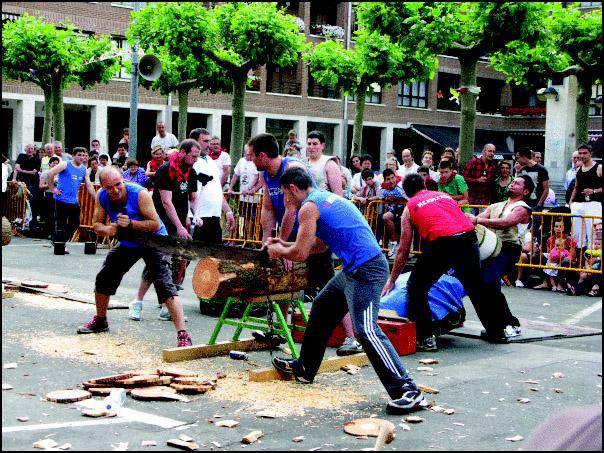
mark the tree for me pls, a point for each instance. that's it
(570, 43)
(406, 54)
(54, 58)
(237, 37)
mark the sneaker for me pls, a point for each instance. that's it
(164, 314)
(97, 325)
(518, 284)
(412, 400)
(427, 344)
(349, 347)
(513, 331)
(292, 367)
(184, 339)
(500, 337)
(135, 311)
(392, 248)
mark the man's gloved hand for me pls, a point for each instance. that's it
(203, 178)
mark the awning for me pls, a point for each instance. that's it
(449, 137)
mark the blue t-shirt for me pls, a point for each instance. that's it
(343, 228)
(69, 183)
(131, 209)
(397, 192)
(275, 192)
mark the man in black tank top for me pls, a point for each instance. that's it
(586, 198)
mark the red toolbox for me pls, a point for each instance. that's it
(401, 334)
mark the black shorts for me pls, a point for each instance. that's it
(120, 259)
(210, 231)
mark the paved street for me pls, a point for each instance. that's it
(481, 381)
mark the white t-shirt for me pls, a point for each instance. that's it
(357, 181)
(247, 172)
(404, 171)
(5, 173)
(223, 159)
(169, 141)
(209, 198)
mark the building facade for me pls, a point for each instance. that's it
(420, 115)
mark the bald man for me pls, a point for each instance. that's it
(129, 206)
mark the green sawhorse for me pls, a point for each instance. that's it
(280, 326)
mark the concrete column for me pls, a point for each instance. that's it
(301, 126)
(386, 143)
(258, 125)
(24, 117)
(98, 125)
(215, 123)
(560, 130)
(337, 143)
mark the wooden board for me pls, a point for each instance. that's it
(191, 389)
(366, 427)
(213, 350)
(68, 396)
(157, 393)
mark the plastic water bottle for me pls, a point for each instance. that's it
(115, 400)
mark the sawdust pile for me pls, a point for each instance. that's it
(109, 349)
(284, 398)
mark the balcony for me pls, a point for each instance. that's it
(284, 87)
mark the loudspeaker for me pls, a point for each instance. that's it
(90, 248)
(149, 67)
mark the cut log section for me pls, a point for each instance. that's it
(214, 278)
(103, 391)
(191, 389)
(194, 381)
(144, 381)
(176, 372)
(68, 396)
(157, 393)
(368, 427)
(112, 378)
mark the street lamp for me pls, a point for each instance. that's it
(543, 94)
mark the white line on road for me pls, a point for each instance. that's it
(104, 421)
(584, 313)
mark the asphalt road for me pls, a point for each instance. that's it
(481, 381)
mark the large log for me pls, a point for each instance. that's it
(7, 231)
(215, 278)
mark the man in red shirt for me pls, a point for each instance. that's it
(480, 175)
(448, 242)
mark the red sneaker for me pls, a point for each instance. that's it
(97, 325)
(184, 339)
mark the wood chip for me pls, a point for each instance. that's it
(227, 423)
(516, 438)
(10, 366)
(220, 375)
(557, 390)
(44, 444)
(437, 409)
(181, 444)
(458, 424)
(404, 427)
(429, 361)
(530, 381)
(23, 419)
(558, 375)
(252, 437)
(267, 413)
(430, 390)
(68, 396)
(413, 419)
(298, 439)
(66, 446)
(186, 438)
(92, 352)
(7, 387)
(449, 411)
(533, 389)
(425, 368)
(350, 369)
(523, 400)
(216, 444)
(148, 443)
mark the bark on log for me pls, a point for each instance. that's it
(214, 278)
(7, 231)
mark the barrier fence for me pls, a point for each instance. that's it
(576, 250)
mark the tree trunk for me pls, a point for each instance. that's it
(215, 278)
(47, 130)
(582, 116)
(357, 137)
(58, 112)
(468, 109)
(238, 121)
(183, 107)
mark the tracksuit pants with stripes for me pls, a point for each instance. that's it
(359, 293)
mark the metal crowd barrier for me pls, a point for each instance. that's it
(14, 204)
(580, 253)
(246, 210)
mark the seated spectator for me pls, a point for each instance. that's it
(157, 160)
(502, 181)
(134, 173)
(392, 164)
(430, 184)
(355, 164)
(590, 282)
(93, 170)
(449, 154)
(562, 251)
(392, 216)
(122, 151)
(409, 166)
(346, 192)
(428, 161)
(391, 155)
(452, 183)
(357, 180)
(370, 191)
(292, 141)
(103, 160)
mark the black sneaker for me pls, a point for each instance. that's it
(310, 295)
(293, 367)
(412, 400)
(427, 344)
(97, 325)
(499, 336)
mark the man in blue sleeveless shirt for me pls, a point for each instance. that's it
(129, 206)
(67, 206)
(356, 289)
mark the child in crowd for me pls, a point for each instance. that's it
(392, 215)
(346, 192)
(589, 282)
(561, 250)
(430, 184)
(369, 192)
